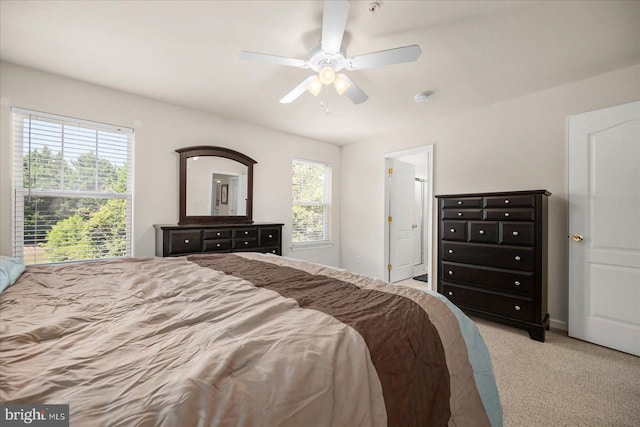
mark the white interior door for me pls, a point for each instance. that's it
(604, 227)
(233, 195)
(418, 232)
(401, 230)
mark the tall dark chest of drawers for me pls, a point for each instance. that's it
(492, 256)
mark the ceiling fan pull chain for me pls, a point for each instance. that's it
(326, 92)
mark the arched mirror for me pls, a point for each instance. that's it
(216, 185)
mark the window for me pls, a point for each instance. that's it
(72, 186)
(311, 223)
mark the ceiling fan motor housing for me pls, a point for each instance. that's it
(320, 59)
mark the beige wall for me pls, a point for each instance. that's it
(160, 128)
(514, 145)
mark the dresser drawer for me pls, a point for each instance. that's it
(454, 230)
(509, 257)
(185, 241)
(462, 202)
(508, 214)
(223, 233)
(244, 243)
(508, 201)
(461, 213)
(517, 233)
(503, 305)
(483, 231)
(269, 236)
(499, 280)
(245, 233)
(217, 245)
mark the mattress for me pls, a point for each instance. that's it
(240, 339)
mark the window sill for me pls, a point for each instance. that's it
(305, 247)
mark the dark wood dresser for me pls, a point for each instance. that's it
(177, 240)
(492, 256)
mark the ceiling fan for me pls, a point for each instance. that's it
(328, 58)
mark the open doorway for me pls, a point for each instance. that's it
(408, 202)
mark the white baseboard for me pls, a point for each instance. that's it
(558, 324)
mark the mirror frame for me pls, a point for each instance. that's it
(206, 150)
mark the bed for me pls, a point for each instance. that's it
(240, 339)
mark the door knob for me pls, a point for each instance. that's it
(577, 237)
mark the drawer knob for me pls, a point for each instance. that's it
(459, 202)
(506, 202)
(451, 251)
(515, 233)
(517, 307)
(516, 283)
(273, 251)
(246, 232)
(517, 258)
(459, 213)
(506, 214)
(218, 245)
(450, 273)
(481, 231)
(246, 243)
(450, 293)
(453, 230)
(186, 240)
(217, 234)
(271, 236)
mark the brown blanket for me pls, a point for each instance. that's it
(405, 347)
(163, 341)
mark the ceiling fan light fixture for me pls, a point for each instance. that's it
(327, 75)
(341, 84)
(315, 86)
(329, 57)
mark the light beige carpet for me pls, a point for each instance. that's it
(563, 381)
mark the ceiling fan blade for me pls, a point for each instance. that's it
(385, 57)
(273, 59)
(334, 19)
(297, 91)
(354, 93)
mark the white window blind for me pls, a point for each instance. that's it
(311, 223)
(72, 188)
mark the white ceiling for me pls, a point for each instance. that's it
(474, 53)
